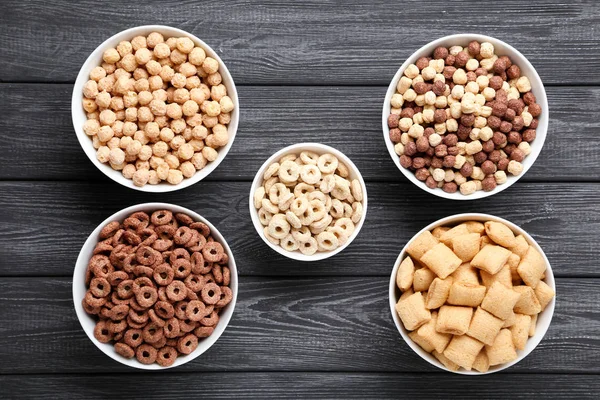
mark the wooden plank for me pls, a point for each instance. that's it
(38, 142)
(305, 42)
(300, 385)
(44, 224)
(282, 324)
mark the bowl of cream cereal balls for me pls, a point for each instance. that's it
(155, 108)
(465, 117)
(472, 294)
(308, 201)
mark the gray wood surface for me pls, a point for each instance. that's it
(283, 324)
(37, 131)
(307, 70)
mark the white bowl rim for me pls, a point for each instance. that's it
(532, 342)
(323, 148)
(81, 265)
(541, 130)
(86, 142)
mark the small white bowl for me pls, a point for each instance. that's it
(544, 318)
(88, 322)
(297, 149)
(501, 48)
(79, 116)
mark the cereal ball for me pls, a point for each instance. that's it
(130, 64)
(105, 133)
(145, 153)
(187, 169)
(224, 118)
(221, 136)
(226, 104)
(140, 177)
(138, 42)
(190, 108)
(523, 84)
(178, 80)
(211, 108)
(107, 117)
(142, 164)
(187, 69)
(152, 130)
(158, 107)
(111, 56)
(197, 56)
(172, 161)
(199, 161)
(517, 155)
(488, 184)
(515, 167)
(217, 92)
(153, 178)
(103, 154)
(174, 177)
(153, 39)
(180, 96)
(161, 50)
(185, 44)
(178, 125)
(91, 127)
(97, 73)
(128, 171)
(117, 156)
(197, 95)
(177, 57)
(210, 65)
(144, 114)
(210, 154)
(185, 151)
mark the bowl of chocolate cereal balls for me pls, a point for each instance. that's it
(308, 201)
(155, 108)
(155, 286)
(465, 116)
(472, 294)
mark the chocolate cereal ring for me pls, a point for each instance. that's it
(101, 332)
(177, 254)
(116, 326)
(100, 266)
(100, 287)
(152, 333)
(198, 265)
(211, 320)
(94, 301)
(194, 282)
(162, 244)
(132, 238)
(114, 298)
(147, 296)
(163, 274)
(141, 282)
(120, 312)
(195, 310)
(184, 218)
(204, 331)
(118, 255)
(226, 276)
(124, 350)
(146, 354)
(164, 309)
(176, 291)
(212, 251)
(171, 328)
(161, 217)
(180, 309)
(201, 227)
(162, 293)
(199, 245)
(226, 297)
(160, 343)
(182, 235)
(166, 356)
(211, 293)
(191, 295)
(125, 289)
(155, 318)
(217, 272)
(133, 303)
(103, 248)
(165, 231)
(133, 337)
(116, 277)
(182, 268)
(187, 326)
(143, 271)
(194, 240)
(145, 255)
(224, 259)
(129, 263)
(187, 344)
(138, 316)
(135, 325)
(147, 236)
(109, 229)
(90, 309)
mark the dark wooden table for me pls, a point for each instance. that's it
(305, 71)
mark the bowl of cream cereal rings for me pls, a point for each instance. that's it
(155, 286)
(308, 201)
(155, 108)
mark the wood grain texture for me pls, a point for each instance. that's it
(283, 324)
(38, 141)
(44, 224)
(308, 42)
(300, 385)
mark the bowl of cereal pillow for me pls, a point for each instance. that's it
(465, 116)
(472, 294)
(155, 108)
(155, 286)
(308, 201)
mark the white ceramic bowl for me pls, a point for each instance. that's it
(88, 322)
(297, 149)
(79, 115)
(501, 48)
(544, 318)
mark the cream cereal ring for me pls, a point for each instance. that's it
(269, 237)
(293, 220)
(289, 243)
(276, 191)
(337, 208)
(310, 174)
(309, 247)
(342, 170)
(309, 158)
(322, 223)
(301, 235)
(356, 190)
(341, 192)
(328, 202)
(288, 157)
(264, 216)
(348, 210)
(318, 196)
(270, 182)
(327, 163)
(270, 207)
(289, 171)
(346, 224)
(357, 208)
(318, 209)
(285, 201)
(302, 189)
(339, 233)
(271, 171)
(259, 194)
(327, 241)
(299, 205)
(279, 227)
(327, 184)
(316, 231)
